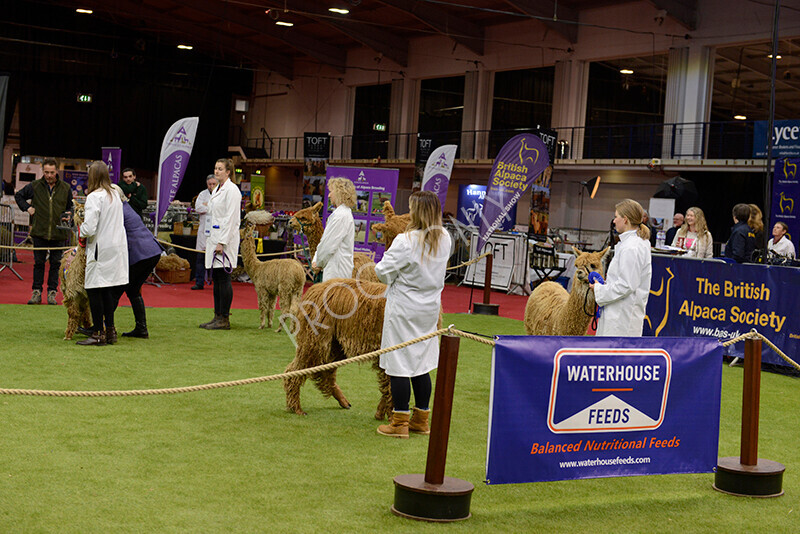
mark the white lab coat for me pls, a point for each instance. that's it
(783, 247)
(624, 295)
(413, 301)
(106, 241)
(334, 254)
(201, 208)
(223, 221)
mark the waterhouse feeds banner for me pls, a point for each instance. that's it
(694, 298)
(589, 407)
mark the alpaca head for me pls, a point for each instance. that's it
(77, 215)
(306, 218)
(586, 262)
(388, 210)
(246, 233)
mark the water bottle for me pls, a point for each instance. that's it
(660, 237)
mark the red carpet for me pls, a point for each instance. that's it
(454, 299)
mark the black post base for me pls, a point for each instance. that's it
(479, 308)
(762, 480)
(416, 499)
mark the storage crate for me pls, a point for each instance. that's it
(181, 276)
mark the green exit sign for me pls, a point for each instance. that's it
(379, 127)
(85, 98)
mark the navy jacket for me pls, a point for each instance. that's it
(741, 243)
(141, 243)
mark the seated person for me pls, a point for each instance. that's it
(742, 242)
(780, 245)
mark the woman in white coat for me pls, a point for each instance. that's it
(222, 241)
(103, 235)
(414, 269)
(334, 254)
(624, 295)
(201, 208)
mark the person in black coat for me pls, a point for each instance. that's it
(742, 241)
(677, 222)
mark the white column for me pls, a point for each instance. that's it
(571, 87)
(688, 101)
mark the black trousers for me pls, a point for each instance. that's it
(137, 276)
(102, 306)
(401, 391)
(39, 259)
(223, 292)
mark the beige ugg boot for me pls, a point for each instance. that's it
(419, 421)
(397, 427)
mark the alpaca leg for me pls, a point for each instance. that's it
(270, 310)
(326, 383)
(262, 306)
(72, 320)
(385, 405)
(292, 388)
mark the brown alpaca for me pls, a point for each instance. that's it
(282, 278)
(72, 276)
(394, 225)
(337, 319)
(551, 311)
(307, 221)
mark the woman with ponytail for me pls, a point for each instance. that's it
(624, 295)
(414, 269)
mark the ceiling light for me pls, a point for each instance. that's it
(740, 117)
(281, 23)
(339, 10)
(626, 71)
(84, 11)
(185, 47)
(776, 57)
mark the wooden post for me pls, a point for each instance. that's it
(748, 475)
(751, 396)
(433, 496)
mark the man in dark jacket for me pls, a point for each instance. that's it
(742, 241)
(136, 192)
(45, 200)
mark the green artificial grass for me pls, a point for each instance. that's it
(233, 460)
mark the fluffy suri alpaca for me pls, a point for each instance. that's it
(307, 221)
(551, 311)
(394, 225)
(282, 278)
(338, 319)
(72, 274)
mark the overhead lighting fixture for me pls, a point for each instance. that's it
(339, 10)
(626, 71)
(185, 47)
(281, 23)
(740, 117)
(84, 11)
(776, 57)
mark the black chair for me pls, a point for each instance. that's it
(544, 262)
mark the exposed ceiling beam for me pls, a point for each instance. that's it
(380, 40)
(456, 28)
(259, 55)
(322, 52)
(550, 10)
(684, 11)
(758, 66)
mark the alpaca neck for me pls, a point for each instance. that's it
(574, 312)
(314, 235)
(249, 253)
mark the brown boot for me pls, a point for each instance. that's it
(111, 335)
(397, 427)
(419, 421)
(97, 338)
(221, 323)
(214, 320)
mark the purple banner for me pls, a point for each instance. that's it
(518, 164)
(373, 188)
(567, 408)
(438, 170)
(112, 156)
(175, 152)
(785, 197)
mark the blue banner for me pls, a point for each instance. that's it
(785, 196)
(566, 408)
(785, 139)
(470, 207)
(695, 298)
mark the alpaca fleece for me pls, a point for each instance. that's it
(394, 225)
(338, 319)
(282, 278)
(552, 311)
(72, 274)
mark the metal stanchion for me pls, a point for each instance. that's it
(485, 308)
(7, 239)
(433, 496)
(748, 475)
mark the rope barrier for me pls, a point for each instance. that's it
(173, 245)
(475, 260)
(755, 334)
(246, 381)
(28, 247)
